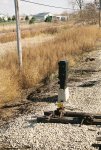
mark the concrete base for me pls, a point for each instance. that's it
(63, 95)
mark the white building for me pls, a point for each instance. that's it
(30, 17)
(61, 18)
(42, 16)
(4, 17)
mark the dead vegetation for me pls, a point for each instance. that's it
(27, 34)
(41, 61)
(32, 31)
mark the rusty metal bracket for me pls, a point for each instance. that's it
(62, 116)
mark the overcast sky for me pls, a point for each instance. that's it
(7, 6)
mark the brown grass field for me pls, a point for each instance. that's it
(41, 61)
(27, 31)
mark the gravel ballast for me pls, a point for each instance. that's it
(25, 133)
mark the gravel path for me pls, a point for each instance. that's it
(25, 133)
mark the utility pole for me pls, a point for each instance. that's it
(99, 13)
(18, 32)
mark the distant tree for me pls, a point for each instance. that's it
(4, 19)
(48, 19)
(1, 19)
(79, 3)
(26, 18)
(9, 19)
(13, 18)
(32, 20)
(89, 13)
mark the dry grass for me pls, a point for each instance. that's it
(27, 34)
(30, 31)
(9, 88)
(4, 27)
(41, 61)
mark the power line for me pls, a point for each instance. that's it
(46, 5)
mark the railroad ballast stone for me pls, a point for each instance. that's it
(24, 132)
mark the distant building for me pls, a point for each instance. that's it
(42, 16)
(61, 18)
(5, 18)
(30, 17)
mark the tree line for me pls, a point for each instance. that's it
(26, 18)
(13, 18)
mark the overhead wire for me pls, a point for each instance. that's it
(46, 5)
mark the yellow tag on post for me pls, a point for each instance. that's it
(60, 105)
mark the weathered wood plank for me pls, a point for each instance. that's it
(66, 120)
(75, 114)
(96, 122)
(63, 120)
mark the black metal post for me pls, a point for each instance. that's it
(63, 74)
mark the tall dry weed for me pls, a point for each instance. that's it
(28, 33)
(41, 61)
